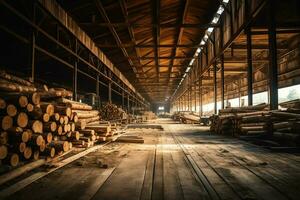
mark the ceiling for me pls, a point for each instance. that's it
(150, 41)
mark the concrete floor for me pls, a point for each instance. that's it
(180, 162)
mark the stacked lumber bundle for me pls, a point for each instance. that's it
(111, 112)
(244, 120)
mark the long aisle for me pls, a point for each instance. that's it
(179, 162)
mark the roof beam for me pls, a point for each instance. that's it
(102, 12)
(149, 45)
(179, 35)
(156, 33)
(130, 31)
(136, 25)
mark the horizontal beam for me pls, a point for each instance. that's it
(137, 25)
(255, 47)
(149, 46)
(161, 57)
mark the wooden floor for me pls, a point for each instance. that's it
(180, 162)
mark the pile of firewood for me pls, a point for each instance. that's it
(111, 112)
(31, 127)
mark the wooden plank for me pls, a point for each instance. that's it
(172, 186)
(127, 180)
(93, 187)
(158, 181)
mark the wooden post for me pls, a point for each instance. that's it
(273, 82)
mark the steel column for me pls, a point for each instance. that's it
(222, 83)
(32, 57)
(273, 79)
(215, 88)
(249, 67)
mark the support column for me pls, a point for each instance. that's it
(32, 57)
(123, 101)
(215, 88)
(75, 72)
(109, 89)
(200, 97)
(249, 68)
(128, 103)
(222, 83)
(273, 82)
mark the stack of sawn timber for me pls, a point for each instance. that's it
(27, 124)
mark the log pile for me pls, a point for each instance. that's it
(149, 115)
(30, 128)
(236, 121)
(186, 117)
(111, 112)
(280, 126)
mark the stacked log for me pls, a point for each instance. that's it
(286, 127)
(29, 125)
(111, 112)
(237, 121)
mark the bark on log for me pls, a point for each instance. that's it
(47, 108)
(11, 159)
(49, 127)
(60, 145)
(15, 79)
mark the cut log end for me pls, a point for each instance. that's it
(27, 153)
(22, 119)
(11, 110)
(23, 101)
(2, 103)
(3, 151)
(6, 122)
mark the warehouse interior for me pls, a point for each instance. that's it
(149, 99)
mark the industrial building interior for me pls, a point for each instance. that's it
(149, 99)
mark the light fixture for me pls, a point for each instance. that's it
(215, 20)
(205, 37)
(220, 10)
(192, 61)
(202, 42)
(184, 75)
(187, 69)
(225, 1)
(210, 29)
(198, 50)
